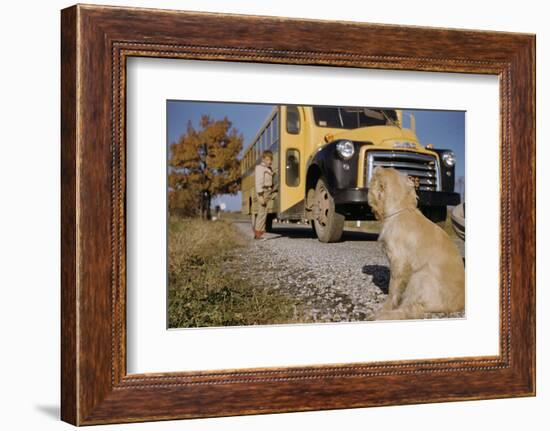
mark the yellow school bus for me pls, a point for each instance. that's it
(324, 157)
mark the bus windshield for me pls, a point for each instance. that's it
(353, 118)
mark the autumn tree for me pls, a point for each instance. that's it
(203, 164)
(184, 202)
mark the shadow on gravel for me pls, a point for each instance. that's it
(307, 232)
(293, 232)
(350, 235)
(380, 276)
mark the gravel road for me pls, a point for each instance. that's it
(344, 281)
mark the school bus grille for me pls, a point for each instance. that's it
(423, 168)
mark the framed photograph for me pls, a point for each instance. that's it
(264, 214)
(301, 184)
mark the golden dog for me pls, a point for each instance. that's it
(426, 268)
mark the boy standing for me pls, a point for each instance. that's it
(263, 176)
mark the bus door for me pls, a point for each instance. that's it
(273, 133)
(291, 162)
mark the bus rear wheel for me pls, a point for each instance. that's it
(269, 222)
(327, 223)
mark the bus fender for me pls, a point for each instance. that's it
(337, 172)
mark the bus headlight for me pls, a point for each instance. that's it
(449, 158)
(345, 149)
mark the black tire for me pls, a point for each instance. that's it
(269, 222)
(252, 217)
(327, 223)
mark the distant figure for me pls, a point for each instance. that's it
(263, 176)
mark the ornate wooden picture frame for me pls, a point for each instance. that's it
(96, 42)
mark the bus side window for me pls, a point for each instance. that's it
(292, 120)
(275, 124)
(268, 139)
(292, 167)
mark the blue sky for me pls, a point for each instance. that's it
(443, 129)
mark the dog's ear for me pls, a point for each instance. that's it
(410, 182)
(378, 174)
(377, 185)
(380, 185)
(411, 191)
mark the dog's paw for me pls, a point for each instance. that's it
(388, 305)
(383, 315)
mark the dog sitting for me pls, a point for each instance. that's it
(426, 268)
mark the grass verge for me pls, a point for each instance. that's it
(201, 293)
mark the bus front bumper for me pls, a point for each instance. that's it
(358, 196)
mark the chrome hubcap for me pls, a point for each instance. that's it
(322, 206)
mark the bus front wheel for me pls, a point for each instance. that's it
(327, 223)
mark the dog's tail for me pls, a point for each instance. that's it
(405, 312)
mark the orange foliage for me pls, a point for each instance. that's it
(203, 164)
